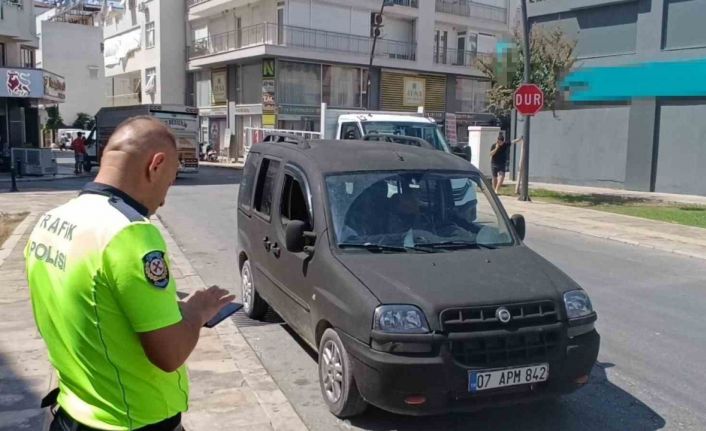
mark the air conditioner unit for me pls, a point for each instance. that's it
(35, 161)
(15, 2)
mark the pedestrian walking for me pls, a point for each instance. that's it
(79, 147)
(499, 157)
(104, 298)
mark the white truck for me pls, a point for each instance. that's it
(182, 120)
(357, 124)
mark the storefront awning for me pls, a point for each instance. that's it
(37, 84)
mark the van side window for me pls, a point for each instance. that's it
(248, 180)
(350, 131)
(294, 202)
(264, 191)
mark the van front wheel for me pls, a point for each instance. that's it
(336, 378)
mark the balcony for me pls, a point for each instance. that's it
(408, 3)
(190, 3)
(268, 34)
(124, 99)
(467, 8)
(454, 57)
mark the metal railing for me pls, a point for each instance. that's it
(454, 57)
(300, 37)
(190, 3)
(472, 9)
(124, 99)
(408, 3)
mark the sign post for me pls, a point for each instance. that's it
(524, 167)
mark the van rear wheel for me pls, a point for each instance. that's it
(336, 378)
(253, 305)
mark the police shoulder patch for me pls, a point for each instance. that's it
(156, 270)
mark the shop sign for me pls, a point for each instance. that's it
(219, 87)
(450, 128)
(54, 87)
(21, 83)
(248, 109)
(414, 91)
(268, 68)
(304, 111)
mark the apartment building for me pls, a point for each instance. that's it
(58, 27)
(143, 52)
(22, 85)
(638, 96)
(271, 63)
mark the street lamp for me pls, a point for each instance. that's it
(377, 25)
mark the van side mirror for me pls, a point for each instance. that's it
(462, 152)
(295, 236)
(518, 221)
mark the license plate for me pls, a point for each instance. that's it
(481, 380)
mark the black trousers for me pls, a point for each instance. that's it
(63, 422)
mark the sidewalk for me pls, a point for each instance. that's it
(650, 196)
(65, 169)
(679, 239)
(236, 165)
(230, 389)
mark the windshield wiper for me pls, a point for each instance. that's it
(375, 248)
(459, 244)
(379, 248)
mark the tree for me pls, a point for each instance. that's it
(551, 58)
(54, 121)
(84, 121)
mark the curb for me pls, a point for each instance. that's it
(11, 242)
(235, 166)
(280, 412)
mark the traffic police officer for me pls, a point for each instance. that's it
(104, 299)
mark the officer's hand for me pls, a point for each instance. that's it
(204, 304)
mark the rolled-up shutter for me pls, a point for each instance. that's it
(392, 89)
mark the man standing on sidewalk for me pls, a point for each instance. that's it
(499, 157)
(103, 297)
(79, 147)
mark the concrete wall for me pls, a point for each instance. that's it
(681, 161)
(19, 23)
(82, 68)
(168, 54)
(580, 146)
(171, 42)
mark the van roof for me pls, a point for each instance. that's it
(392, 118)
(331, 156)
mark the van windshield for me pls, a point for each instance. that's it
(427, 131)
(414, 210)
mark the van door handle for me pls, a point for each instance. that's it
(275, 250)
(267, 243)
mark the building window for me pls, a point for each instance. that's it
(2, 54)
(299, 83)
(683, 24)
(151, 80)
(26, 57)
(342, 86)
(149, 35)
(472, 95)
(93, 72)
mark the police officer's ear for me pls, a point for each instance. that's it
(157, 164)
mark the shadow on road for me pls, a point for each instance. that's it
(19, 400)
(600, 405)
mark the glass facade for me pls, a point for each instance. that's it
(471, 95)
(298, 83)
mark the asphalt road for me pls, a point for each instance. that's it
(650, 375)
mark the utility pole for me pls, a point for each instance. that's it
(377, 25)
(524, 177)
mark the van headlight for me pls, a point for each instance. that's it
(406, 319)
(578, 304)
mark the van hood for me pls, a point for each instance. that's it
(437, 281)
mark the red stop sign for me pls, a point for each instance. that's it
(528, 99)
